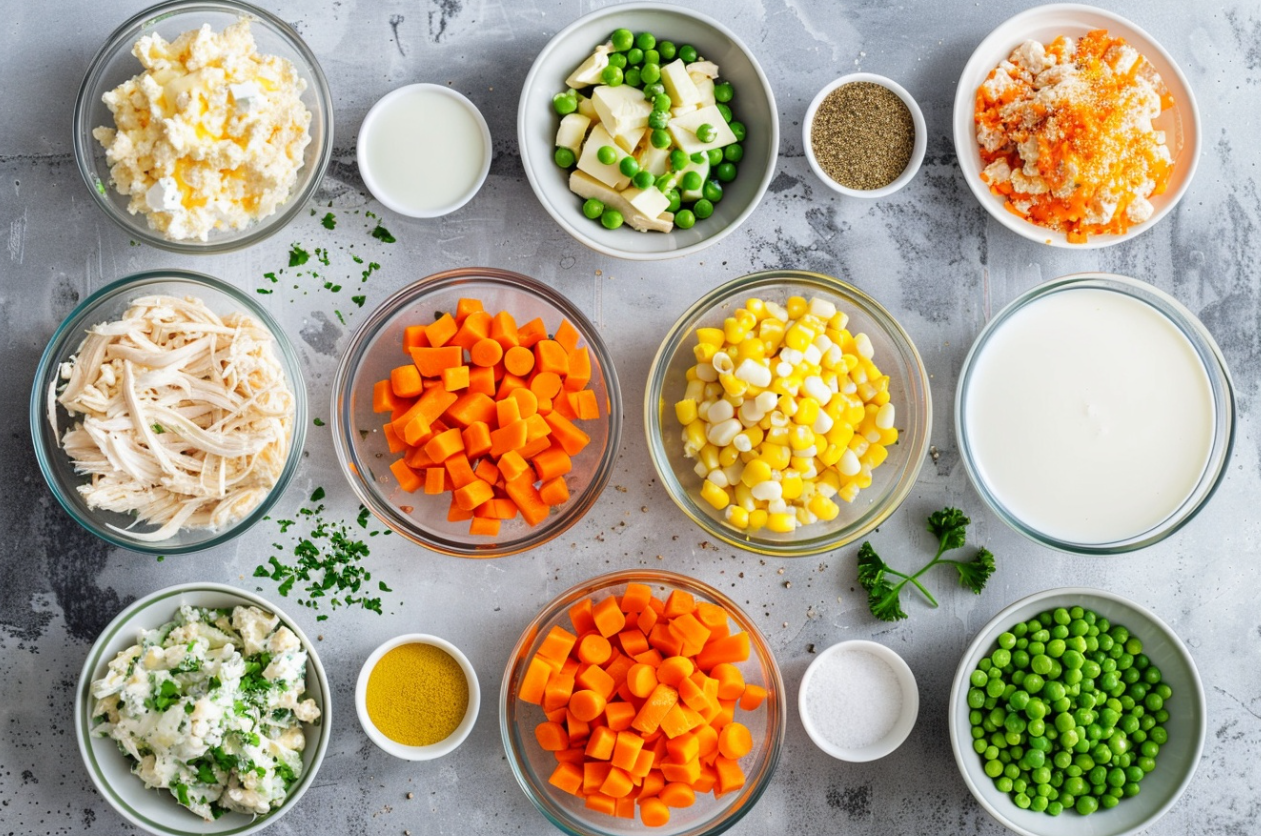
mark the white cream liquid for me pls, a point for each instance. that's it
(1090, 416)
(425, 151)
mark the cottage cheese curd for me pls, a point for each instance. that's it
(211, 707)
(1066, 133)
(210, 136)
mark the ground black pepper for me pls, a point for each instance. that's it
(862, 135)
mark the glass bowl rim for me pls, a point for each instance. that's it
(44, 370)
(1215, 368)
(674, 340)
(265, 227)
(775, 685)
(344, 380)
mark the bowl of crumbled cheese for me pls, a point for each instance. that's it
(168, 412)
(203, 125)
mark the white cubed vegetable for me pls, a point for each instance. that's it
(629, 141)
(701, 168)
(589, 161)
(622, 109)
(679, 85)
(704, 86)
(587, 108)
(650, 202)
(707, 69)
(589, 71)
(683, 129)
(572, 130)
(653, 160)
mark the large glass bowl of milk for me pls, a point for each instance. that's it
(1095, 414)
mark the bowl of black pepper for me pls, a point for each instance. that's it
(864, 136)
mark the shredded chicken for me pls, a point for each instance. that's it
(186, 418)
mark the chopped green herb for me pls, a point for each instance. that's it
(383, 587)
(383, 235)
(159, 429)
(356, 259)
(363, 517)
(372, 268)
(339, 316)
(318, 422)
(263, 290)
(271, 277)
(359, 300)
(298, 256)
(317, 494)
(322, 255)
(329, 221)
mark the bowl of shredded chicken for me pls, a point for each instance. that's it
(170, 412)
(1074, 127)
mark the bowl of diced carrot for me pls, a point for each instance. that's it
(477, 413)
(642, 701)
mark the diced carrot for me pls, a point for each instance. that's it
(527, 403)
(507, 411)
(609, 619)
(552, 463)
(601, 803)
(730, 681)
(586, 705)
(486, 352)
(472, 407)
(579, 370)
(418, 459)
(752, 697)
(464, 307)
(431, 361)
(457, 514)
(735, 741)
(684, 748)
(654, 780)
(585, 405)
(481, 380)
(679, 603)
(508, 437)
(633, 641)
(407, 478)
(474, 494)
(535, 681)
(641, 679)
(557, 644)
(392, 440)
(531, 333)
(626, 806)
(626, 751)
(460, 470)
(417, 433)
(503, 330)
(578, 729)
(440, 331)
(512, 466)
(600, 744)
(691, 632)
(662, 639)
(519, 360)
(405, 381)
(593, 775)
(594, 649)
(508, 384)
(533, 448)
(522, 491)
(474, 328)
(414, 337)
(560, 687)
(570, 755)
(674, 670)
(546, 384)
(659, 703)
(618, 666)
(550, 356)
(476, 439)
(486, 470)
(653, 812)
(564, 405)
(580, 616)
(619, 715)
(552, 737)
(733, 648)
(647, 619)
(571, 438)
(383, 398)
(730, 775)
(677, 793)
(693, 696)
(567, 335)
(593, 678)
(444, 445)
(635, 598)
(725, 715)
(431, 405)
(567, 777)
(454, 378)
(676, 722)
(681, 773)
(435, 480)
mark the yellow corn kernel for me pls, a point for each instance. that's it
(799, 337)
(867, 392)
(881, 398)
(738, 517)
(685, 411)
(694, 436)
(830, 478)
(776, 456)
(800, 437)
(848, 491)
(728, 456)
(714, 495)
(746, 319)
(823, 508)
(796, 306)
(756, 307)
(859, 445)
(838, 321)
(704, 352)
(777, 435)
(749, 456)
(756, 472)
(792, 485)
(781, 523)
(787, 404)
(863, 481)
(889, 436)
(709, 456)
(757, 519)
(831, 454)
(710, 336)
(690, 374)
(850, 358)
(771, 330)
(800, 463)
(807, 411)
(840, 434)
(854, 413)
(752, 348)
(733, 331)
(756, 436)
(875, 456)
(732, 385)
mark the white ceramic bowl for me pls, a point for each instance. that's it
(1181, 123)
(154, 810)
(1176, 762)
(434, 750)
(905, 722)
(374, 179)
(917, 151)
(754, 105)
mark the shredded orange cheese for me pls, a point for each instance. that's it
(1066, 135)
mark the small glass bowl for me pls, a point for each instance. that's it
(1220, 383)
(377, 348)
(896, 356)
(114, 64)
(708, 816)
(108, 304)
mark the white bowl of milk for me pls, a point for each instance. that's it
(1095, 414)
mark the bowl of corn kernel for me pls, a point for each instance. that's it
(787, 413)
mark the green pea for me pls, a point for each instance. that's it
(658, 119)
(564, 157)
(1036, 710)
(739, 130)
(723, 91)
(667, 50)
(725, 111)
(592, 208)
(684, 219)
(713, 154)
(676, 200)
(651, 73)
(632, 77)
(1039, 804)
(698, 157)
(1159, 736)
(703, 208)
(976, 698)
(652, 56)
(661, 102)
(678, 159)
(1033, 683)
(612, 76)
(691, 181)
(618, 60)
(993, 768)
(1003, 784)
(611, 219)
(634, 55)
(706, 132)
(1055, 648)
(1152, 675)
(607, 154)
(564, 103)
(1001, 658)
(688, 54)
(978, 678)
(659, 138)
(628, 166)
(622, 39)
(735, 153)
(1023, 801)
(646, 40)
(1005, 640)
(643, 179)
(726, 172)
(653, 89)
(1054, 808)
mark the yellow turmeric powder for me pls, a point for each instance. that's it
(417, 694)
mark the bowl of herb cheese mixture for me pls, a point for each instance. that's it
(202, 709)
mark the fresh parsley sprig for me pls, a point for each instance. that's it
(949, 526)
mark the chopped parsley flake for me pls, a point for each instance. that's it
(382, 234)
(298, 256)
(329, 221)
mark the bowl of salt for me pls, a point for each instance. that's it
(858, 701)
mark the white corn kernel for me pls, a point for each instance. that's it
(849, 465)
(720, 411)
(822, 424)
(695, 391)
(767, 490)
(722, 363)
(812, 355)
(784, 369)
(742, 442)
(777, 506)
(733, 472)
(718, 478)
(712, 391)
(702, 409)
(849, 388)
(706, 372)
(822, 308)
(872, 435)
(885, 416)
(721, 434)
(863, 343)
(817, 389)
(777, 310)
(825, 489)
(778, 419)
(701, 470)
(823, 342)
(750, 414)
(753, 373)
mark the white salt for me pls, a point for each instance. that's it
(853, 699)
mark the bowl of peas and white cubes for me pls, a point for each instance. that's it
(1076, 705)
(647, 131)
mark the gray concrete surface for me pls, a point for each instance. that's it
(929, 253)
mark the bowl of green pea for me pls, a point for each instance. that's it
(1076, 711)
(648, 131)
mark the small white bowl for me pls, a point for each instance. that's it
(901, 729)
(1181, 123)
(374, 179)
(917, 151)
(433, 750)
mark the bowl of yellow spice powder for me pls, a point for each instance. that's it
(417, 697)
(864, 135)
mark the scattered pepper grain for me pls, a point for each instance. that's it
(863, 135)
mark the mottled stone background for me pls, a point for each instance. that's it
(929, 253)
